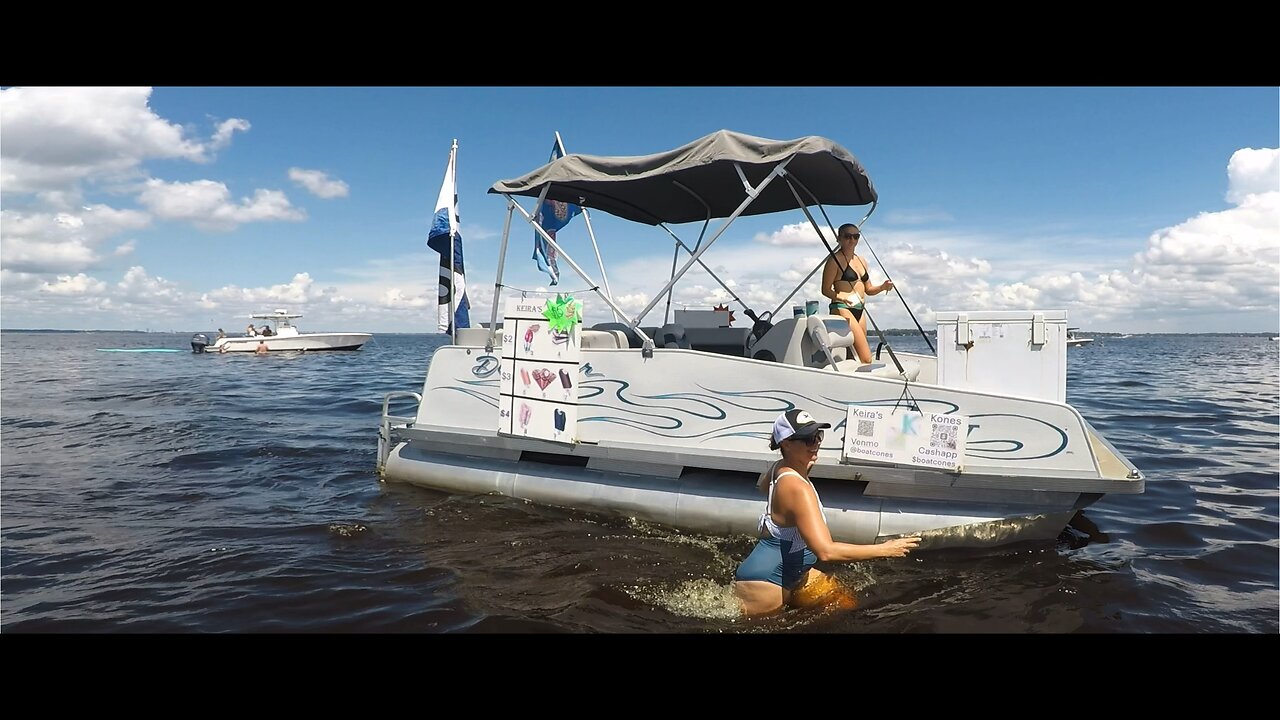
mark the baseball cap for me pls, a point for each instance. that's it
(794, 425)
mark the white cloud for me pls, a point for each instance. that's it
(61, 241)
(207, 204)
(81, 284)
(12, 281)
(222, 136)
(791, 235)
(318, 183)
(1251, 172)
(138, 287)
(56, 137)
(395, 298)
(301, 290)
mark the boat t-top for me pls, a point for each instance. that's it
(280, 335)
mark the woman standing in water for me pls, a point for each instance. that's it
(793, 531)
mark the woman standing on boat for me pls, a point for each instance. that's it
(793, 531)
(845, 281)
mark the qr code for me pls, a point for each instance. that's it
(866, 428)
(944, 436)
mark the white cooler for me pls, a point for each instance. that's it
(1008, 352)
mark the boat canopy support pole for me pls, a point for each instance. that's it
(591, 233)
(701, 235)
(675, 251)
(497, 285)
(513, 205)
(751, 196)
(675, 258)
(603, 277)
(707, 269)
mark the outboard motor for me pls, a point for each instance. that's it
(199, 342)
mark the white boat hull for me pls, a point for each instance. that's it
(680, 437)
(294, 343)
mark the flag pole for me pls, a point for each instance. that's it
(453, 238)
(586, 217)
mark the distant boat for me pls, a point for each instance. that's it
(284, 337)
(1074, 341)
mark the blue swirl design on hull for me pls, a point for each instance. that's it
(665, 415)
(490, 399)
(992, 453)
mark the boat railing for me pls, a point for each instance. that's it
(384, 429)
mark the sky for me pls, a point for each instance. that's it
(190, 208)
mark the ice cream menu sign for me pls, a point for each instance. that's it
(539, 380)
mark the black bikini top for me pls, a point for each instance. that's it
(851, 276)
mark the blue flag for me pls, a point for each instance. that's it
(551, 215)
(452, 279)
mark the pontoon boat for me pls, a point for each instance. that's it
(670, 423)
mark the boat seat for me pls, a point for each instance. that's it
(633, 338)
(834, 351)
(719, 340)
(620, 338)
(781, 343)
(475, 337)
(671, 335)
(601, 339)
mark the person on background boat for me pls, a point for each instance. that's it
(793, 531)
(221, 334)
(262, 347)
(251, 331)
(266, 330)
(846, 282)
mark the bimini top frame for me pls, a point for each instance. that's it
(722, 175)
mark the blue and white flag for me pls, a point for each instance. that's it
(551, 215)
(452, 275)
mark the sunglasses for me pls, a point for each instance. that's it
(812, 440)
(847, 236)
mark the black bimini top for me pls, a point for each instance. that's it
(700, 181)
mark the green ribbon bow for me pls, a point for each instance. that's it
(562, 313)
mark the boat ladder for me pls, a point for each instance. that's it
(384, 429)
